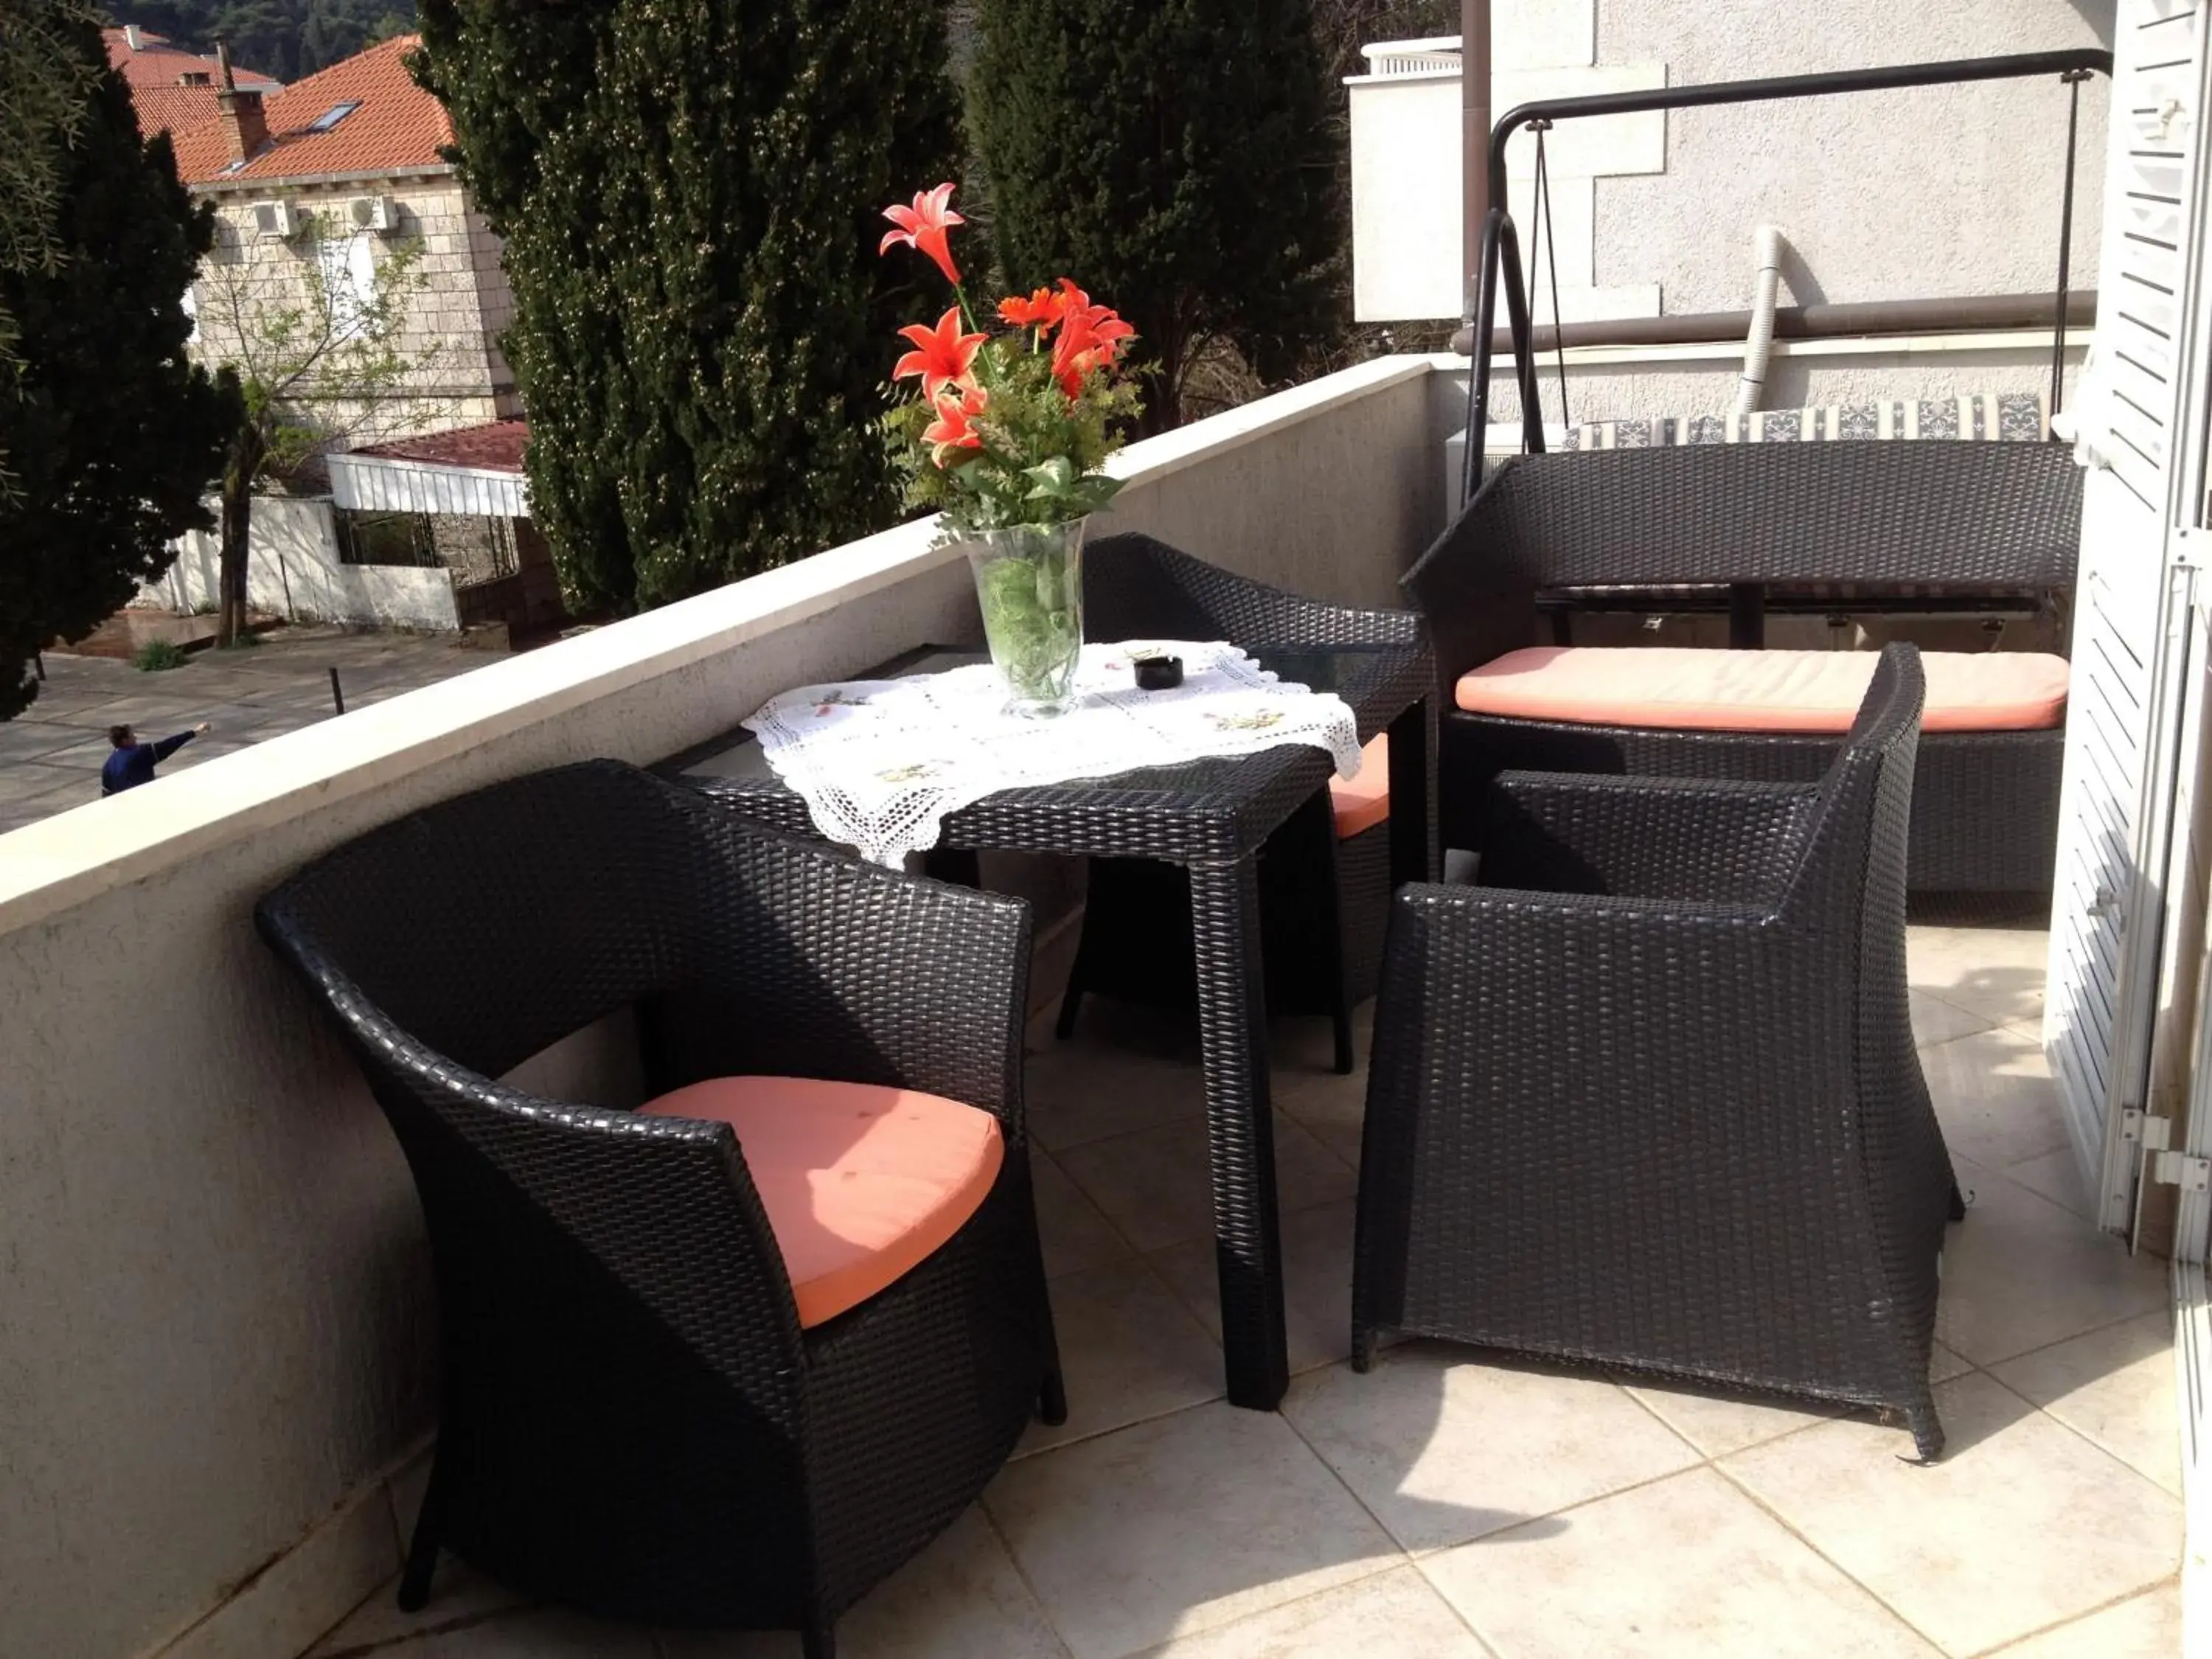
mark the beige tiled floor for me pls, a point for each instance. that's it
(1449, 1507)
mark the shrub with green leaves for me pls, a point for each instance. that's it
(702, 331)
(1176, 153)
(111, 434)
(156, 655)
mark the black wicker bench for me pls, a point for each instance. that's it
(1954, 518)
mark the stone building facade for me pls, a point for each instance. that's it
(452, 311)
(317, 188)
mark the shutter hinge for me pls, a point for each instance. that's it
(2191, 1175)
(2154, 1135)
(2186, 550)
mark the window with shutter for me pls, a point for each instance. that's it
(2134, 611)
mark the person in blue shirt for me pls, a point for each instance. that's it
(132, 763)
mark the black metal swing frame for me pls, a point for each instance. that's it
(1958, 519)
(1501, 242)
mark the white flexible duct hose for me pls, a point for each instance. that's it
(1767, 251)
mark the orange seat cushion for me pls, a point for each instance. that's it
(1759, 690)
(1363, 802)
(861, 1183)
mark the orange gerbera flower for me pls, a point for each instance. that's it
(942, 355)
(952, 429)
(924, 225)
(1041, 311)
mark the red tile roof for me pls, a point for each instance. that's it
(155, 62)
(399, 127)
(173, 109)
(155, 70)
(496, 447)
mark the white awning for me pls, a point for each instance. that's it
(378, 483)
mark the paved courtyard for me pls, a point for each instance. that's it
(1449, 1506)
(51, 754)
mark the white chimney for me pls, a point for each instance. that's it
(131, 36)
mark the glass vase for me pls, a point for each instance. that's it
(1029, 581)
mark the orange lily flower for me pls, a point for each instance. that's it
(1089, 339)
(1042, 311)
(1110, 331)
(942, 355)
(923, 226)
(952, 429)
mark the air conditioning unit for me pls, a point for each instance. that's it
(378, 213)
(277, 219)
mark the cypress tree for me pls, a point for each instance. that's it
(690, 196)
(1175, 157)
(112, 436)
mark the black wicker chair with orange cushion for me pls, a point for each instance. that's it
(730, 1358)
(1324, 875)
(1950, 522)
(1648, 1098)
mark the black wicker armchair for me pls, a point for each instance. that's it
(1945, 521)
(635, 1421)
(1648, 1098)
(1324, 896)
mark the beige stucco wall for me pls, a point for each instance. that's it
(215, 1308)
(1902, 195)
(1898, 195)
(452, 316)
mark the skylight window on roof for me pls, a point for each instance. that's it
(331, 117)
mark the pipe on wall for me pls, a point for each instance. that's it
(1950, 314)
(1759, 340)
(1473, 144)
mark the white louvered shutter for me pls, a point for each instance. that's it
(2134, 607)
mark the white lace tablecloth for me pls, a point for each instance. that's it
(881, 762)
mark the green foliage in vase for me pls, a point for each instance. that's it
(1029, 581)
(1179, 154)
(701, 333)
(111, 434)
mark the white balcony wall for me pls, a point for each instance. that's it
(1406, 184)
(1901, 195)
(293, 570)
(215, 1317)
(1883, 196)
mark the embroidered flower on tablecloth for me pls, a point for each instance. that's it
(1260, 720)
(913, 774)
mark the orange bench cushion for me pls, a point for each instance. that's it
(1759, 690)
(861, 1183)
(1363, 802)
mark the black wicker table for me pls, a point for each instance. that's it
(1212, 817)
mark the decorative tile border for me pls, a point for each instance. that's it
(1992, 417)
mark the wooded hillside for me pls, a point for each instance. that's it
(286, 38)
